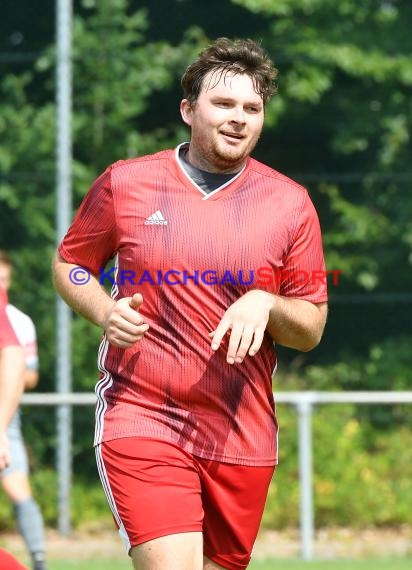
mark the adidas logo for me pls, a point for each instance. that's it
(156, 219)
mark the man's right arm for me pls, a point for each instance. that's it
(120, 319)
(87, 299)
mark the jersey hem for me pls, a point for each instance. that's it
(247, 462)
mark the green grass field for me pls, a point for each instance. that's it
(380, 564)
(274, 564)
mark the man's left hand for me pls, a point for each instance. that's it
(246, 319)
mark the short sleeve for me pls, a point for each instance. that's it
(304, 272)
(92, 238)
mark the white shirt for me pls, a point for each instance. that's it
(25, 331)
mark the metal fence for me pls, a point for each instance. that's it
(304, 403)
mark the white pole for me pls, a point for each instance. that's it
(305, 476)
(63, 216)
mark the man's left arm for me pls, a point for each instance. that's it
(294, 323)
(295, 314)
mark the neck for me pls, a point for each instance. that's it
(200, 162)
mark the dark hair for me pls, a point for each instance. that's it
(5, 258)
(236, 56)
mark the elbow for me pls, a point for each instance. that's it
(309, 347)
(311, 342)
(314, 336)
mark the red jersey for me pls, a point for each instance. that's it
(7, 335)
(191, 255)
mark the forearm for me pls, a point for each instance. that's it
(89, 300)
(11, 383)
(296, 323)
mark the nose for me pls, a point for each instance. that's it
(238, 115)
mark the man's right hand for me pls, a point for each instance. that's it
(124, 325)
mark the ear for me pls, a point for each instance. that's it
(186, 111)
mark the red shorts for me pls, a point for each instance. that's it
(155, 488)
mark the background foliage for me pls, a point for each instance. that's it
(340, 125)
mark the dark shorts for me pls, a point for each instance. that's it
(155, 489)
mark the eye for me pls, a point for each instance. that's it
(253, 109)
(223, 104)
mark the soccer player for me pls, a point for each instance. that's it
(15, 478)
(208, 244)
(11, 378)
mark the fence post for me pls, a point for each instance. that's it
(304, 408)
(63, 217)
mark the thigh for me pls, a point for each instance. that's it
(234, 498)
(18, 456)
(153, 488)
(183, 551)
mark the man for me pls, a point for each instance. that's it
(11, 374)
(208, 242)
(15, 478)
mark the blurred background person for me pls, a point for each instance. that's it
(11, 378)
(15, 477)
(11, 387)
